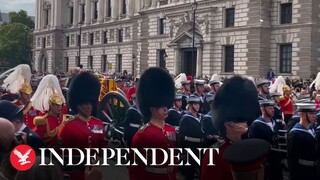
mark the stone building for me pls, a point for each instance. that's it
(246, 37)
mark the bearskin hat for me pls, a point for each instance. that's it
(84, 88)
(155, 89)
(236, 101)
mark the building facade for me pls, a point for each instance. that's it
(246, 37)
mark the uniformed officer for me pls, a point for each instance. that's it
(303, 153)
(214, 85)
(174, 113)
(296, 118)
(133, 121)
(264, 128)
(82, 130)
(247, 159)
(234, 106)
(18, 82)
(185, 93)
(211, 133)
(48, 99)
(199, 92)
(263, 88)
(191, 134)
(155, 95)
(286, 104)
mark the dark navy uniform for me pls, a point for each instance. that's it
(174, 117)
(200, 83)
(302, 153)
(267, 131)
(184, 101)
(209, 129)
(191, 136)
(292, 122)
(133, 121)
(206, 104)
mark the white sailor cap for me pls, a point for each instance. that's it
(209, 98)
(193, 99)
(266, 102)
(212, 82)
(275, 94)
(306, 107)
(185, 82)
(262, 82)
(178, 97)
(199, 82)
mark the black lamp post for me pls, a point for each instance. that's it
(194, 6)
(165, 56)
(80, 32)
(133, 63)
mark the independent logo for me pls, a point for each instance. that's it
(22, 157)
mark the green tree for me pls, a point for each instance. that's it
(21, 17)
(13, 50)
(16, 40)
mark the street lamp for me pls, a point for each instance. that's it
(133, 63)
(165, 56)
(194, 7)
(79, 43)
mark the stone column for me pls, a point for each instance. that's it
(115, 9)
(199, 62)
(176, 60)
(137, 6)
(131, 7)
(36, 23)
(51, 16)
(154, 3)
(147, 4)
(101, 8)
(88, 12)
(120, 7)
(57, 13)
(92, 9)
(76, 11)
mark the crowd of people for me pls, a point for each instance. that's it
(235, 114)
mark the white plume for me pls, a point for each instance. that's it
(316, 82)
(277, 85)
(47, 87)
(181, 77)
(19, 75)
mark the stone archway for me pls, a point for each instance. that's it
(183, 49)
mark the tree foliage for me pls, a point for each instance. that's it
(13, 50)
(21, 17)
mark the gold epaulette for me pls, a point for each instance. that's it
(144, 127)
(67, 118)
(281, 98)
(40, 120)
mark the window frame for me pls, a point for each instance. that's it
(162, 26)
(90, 62)
(285, 17)
(119, 63)
(120, 35)
(230, 20)
(228, 60)
(285, 63)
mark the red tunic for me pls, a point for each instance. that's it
(287, 106)
(221, 170)
(130, 92)
(29, 113)
(151, 136)
(47, 127)
(76, 133)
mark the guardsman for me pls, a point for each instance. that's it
(155, 95)
(211, 133)
(286, 104)
(250, 164)
(82, 130)
(49, 99)
(191, 134)
(199, 92)
(303, 153)
(18, 82)
(263, 88)
(133, 121)
(234, 106)
(175, 113)
(265, 128)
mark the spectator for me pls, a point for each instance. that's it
(14, 114)
(270, 75)
(6, 137)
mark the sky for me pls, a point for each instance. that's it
(16, 5)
